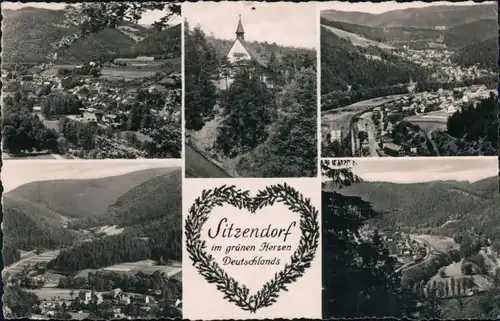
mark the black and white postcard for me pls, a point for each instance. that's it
(251, 99)
(91, 80)
(409, 79)
(415, 238)
(92, 239)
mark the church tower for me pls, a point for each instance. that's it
(240, 33)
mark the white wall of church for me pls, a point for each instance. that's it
(238, 52)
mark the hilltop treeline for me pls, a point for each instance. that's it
(109, 44)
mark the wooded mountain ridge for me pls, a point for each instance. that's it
(428, 17)
(29, 35)
(455, 37)
(145, 203)
(437, 207)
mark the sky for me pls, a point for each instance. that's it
(414, 170)
(283, 23)
(148, 18)
(376, 8)
(19, 172)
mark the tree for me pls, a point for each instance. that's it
(200, 67)
(440, 289)
(467, 268)
(337, 148)
(247, 111)
(20, 302)
(431, 304)
(291, 148)
(167, 139)
(89, 18)
(465, 284)
(11, 139)
(56, 104)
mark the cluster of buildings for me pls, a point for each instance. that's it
(97, 96)
(95, 93)
(444, 70)
(75, 302)
(117, 299)
(105, 102)
(405, 249)
(447, 101)
(401, 245)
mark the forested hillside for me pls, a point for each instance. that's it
(385, 34)
(149, 213)
(83, 198)
(428, 17)
(125, 247)
(484, 54)
(155, 198)
(29, 226)
(472, 208)
(455, 37)
(471, 33)
(343, 65)
(474, 123)
(29, 35)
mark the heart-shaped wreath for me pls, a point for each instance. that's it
(213, 273)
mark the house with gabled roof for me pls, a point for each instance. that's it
(240, 55)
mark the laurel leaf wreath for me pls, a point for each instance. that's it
(301, 259)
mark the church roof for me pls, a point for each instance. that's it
(253, 54)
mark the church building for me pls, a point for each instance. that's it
(240, 55)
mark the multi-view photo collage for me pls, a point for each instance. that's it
(250, 160)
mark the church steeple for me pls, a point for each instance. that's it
(240, 33)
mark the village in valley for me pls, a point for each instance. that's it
(56, 296)
(118, 256)
(378, 132)
(422, 107)
(411, 227)
(118, 102)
